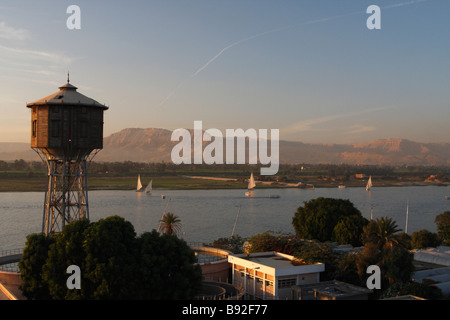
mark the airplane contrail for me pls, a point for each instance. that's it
(204, 66)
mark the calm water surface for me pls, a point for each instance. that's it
(207, 215)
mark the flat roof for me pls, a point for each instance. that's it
(271, 260)
(274, 263)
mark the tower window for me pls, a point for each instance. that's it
(34, 128)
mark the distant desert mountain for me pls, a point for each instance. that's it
(154, 145)
(138, 145)
(10, 151)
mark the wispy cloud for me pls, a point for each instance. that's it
(360, 128)
(10, 33)
(395, 5)
(311, 124)
(36, 54)
(30, 65)
(236, 43)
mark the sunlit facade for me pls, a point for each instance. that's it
(270, 275)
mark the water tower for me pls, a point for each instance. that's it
(66, 132)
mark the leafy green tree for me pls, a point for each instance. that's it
(348, 230)
(262, 242)
(347, 269)
(270, 241)
(423, 239)
(397, 264)
(312, 252)
(167, 268)
(443, 226)
(412, 288)
(318, 218)
(405, 240)
(110, 261)
(114, 263)
(233, 244)
(65, 251)
(31, 264)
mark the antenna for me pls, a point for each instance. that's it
(407, 213)
(235, 222)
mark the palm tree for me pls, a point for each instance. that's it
(384, 247)
(382, 232)
(169, 224)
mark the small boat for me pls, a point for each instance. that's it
(139, 184)
(369, 184)
(251, 186)
(342, 186)
(148, 189)
(447, 198)
(163, 196)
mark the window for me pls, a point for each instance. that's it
(34, 128)
(287, 283)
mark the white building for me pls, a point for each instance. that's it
(270, 275)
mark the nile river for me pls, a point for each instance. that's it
(207, 215)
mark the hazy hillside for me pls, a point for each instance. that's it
(154, 145)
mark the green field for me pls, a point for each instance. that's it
(18, 182)
(24, 181)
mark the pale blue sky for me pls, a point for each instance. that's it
(309, 68)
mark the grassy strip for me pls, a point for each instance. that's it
(38, 182)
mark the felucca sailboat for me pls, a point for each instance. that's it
(139, 184)
(148, 189)
(369, 184)
(251, 186)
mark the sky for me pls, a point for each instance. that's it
(312, 69)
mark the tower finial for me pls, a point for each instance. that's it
(68, 77)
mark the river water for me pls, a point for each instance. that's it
(207, 215)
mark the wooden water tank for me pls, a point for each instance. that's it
(66, 124)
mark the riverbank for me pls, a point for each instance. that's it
(38, 182)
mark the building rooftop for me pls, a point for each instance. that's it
(275, 263)
(335, 290)
(67, 95)
(271, 259)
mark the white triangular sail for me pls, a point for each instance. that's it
(369, 184)
(139, 184)
(251, 182)
(251, 185)
(148, 189)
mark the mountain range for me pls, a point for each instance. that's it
(154, 145)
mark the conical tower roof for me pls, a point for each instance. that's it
(67, 95)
